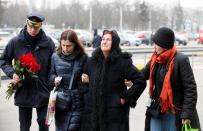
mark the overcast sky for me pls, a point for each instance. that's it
(184, 3)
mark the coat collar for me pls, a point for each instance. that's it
(42, 40)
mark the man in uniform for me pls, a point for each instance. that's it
(34, 92)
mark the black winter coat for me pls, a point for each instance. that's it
(106, 88)
(62, 65)
(34, 92)
(184, 90)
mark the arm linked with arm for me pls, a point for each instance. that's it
(84, 86)
(139, 83)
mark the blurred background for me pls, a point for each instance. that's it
(136, 20)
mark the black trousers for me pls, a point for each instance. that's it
(25, 118)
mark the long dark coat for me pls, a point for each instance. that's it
(33, 92)
(184, 90)
(106, 88)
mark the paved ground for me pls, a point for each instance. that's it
(9, 113)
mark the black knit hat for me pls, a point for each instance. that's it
(164, 37)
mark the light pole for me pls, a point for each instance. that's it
(150, 19)
(121, 18)
(90, 18)
(121, 4)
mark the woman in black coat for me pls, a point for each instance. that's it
(172, 87)
(70, 56)
(108, 100)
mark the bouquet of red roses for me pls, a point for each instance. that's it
(25, 66)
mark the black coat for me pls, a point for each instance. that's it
(62, 65)
(184, 90)
(106, 88)
(33, 92)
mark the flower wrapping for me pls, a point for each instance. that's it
(25, 66)
(51, 107)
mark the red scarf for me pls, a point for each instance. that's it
(166, 96)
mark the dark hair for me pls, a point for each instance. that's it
(107, 32)
(72, 37)
(115, 48)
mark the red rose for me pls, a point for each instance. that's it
(25, 66)
(29, 61)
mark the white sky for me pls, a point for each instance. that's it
(192, 3)
(184, 3)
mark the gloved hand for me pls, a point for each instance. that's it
(57, 80)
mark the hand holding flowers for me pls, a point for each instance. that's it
(25, 66)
